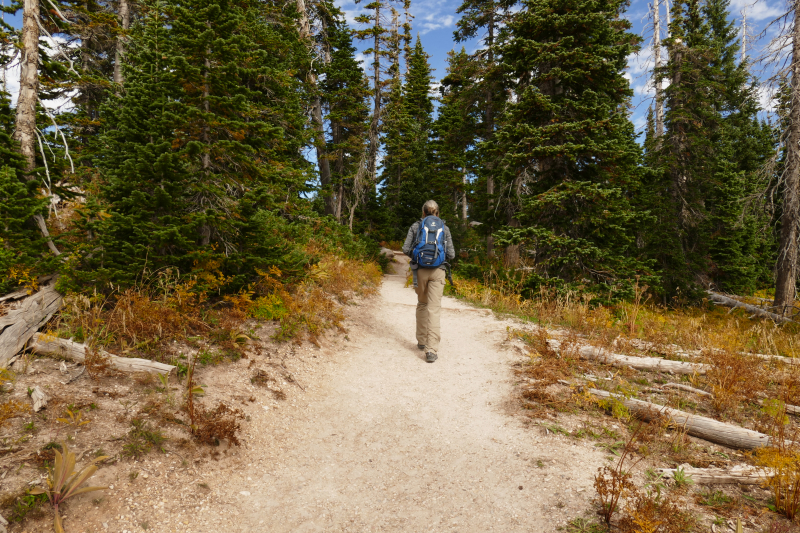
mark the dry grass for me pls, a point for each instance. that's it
(695, 328)
(146, 319)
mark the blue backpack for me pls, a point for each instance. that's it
(429, 250)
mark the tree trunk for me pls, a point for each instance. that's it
(47, 344)
(737, 475)
(657, 77)
(730, 302)
(316, 117)
(374, 126)
(28, 84)
(489, 134)
(25, 133)
(695, 425)
(19, 325)
(650, 364)
(786, 266)
(125, 19)
(464, 198)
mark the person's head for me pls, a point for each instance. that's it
(430, 208)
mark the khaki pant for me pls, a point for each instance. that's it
(430, 286)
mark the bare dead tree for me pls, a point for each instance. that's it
(25, 133)
(125, 21)
(323, 162)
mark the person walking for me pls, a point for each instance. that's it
(429, 245)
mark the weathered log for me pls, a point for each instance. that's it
(38, 398)
(19, 325)
(22, 293)
(739, 475)
(791, 409)
(695, 425)
(673, 349)
(653, 364)
(731, 302)
(47, 344)
(688, 389)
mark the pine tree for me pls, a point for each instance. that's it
(415, 179)
(345, 91)
(454, 137)
(205, 135)
(21, 243)
(707, 162)
(478, 16)
(569, 138)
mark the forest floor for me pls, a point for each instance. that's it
(357, 434)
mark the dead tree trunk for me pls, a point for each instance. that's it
(695, 425)
(19, 325)
(49, 345)
(125, 20)
(786, 266)
(650, 364)
(316, 117)
(730, 302)
(657, 66)
(25, 133)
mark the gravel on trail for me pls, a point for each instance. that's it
(372, 438)
(387, 442)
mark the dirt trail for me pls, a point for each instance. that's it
(382, 441)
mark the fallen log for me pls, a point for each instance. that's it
(652, 364)
(49, 345)
(687, 388)
(731, 302)
(673, 349)
(695, 425)
(19, 325)
(739, 475)
(791, 409)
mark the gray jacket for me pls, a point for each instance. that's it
(411, 237)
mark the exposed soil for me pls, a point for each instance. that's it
(358, 434)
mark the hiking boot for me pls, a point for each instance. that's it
(421, 346)
(430, 357)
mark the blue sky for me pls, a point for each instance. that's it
(435, 22)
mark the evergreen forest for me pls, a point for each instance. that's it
(220, 140)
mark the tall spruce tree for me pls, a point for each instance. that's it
(568, 135)
(205, 135)
(707, 161)
(454, 137)
(415, 183)
(484, 19)
(345, 91)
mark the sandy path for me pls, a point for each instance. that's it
(382, 441)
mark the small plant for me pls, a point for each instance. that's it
(611, 447)
(584, 525)
(555, 429)
(132, 475)
(30, 427)
(141, 439)
(785, 483)
(26, 505)
(613, 483)
(73, 418)
(714, 498)
(649, 512)
(681, 478)
(63, 482)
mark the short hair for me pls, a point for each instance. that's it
(430, 208)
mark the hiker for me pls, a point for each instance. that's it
(430, 246)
